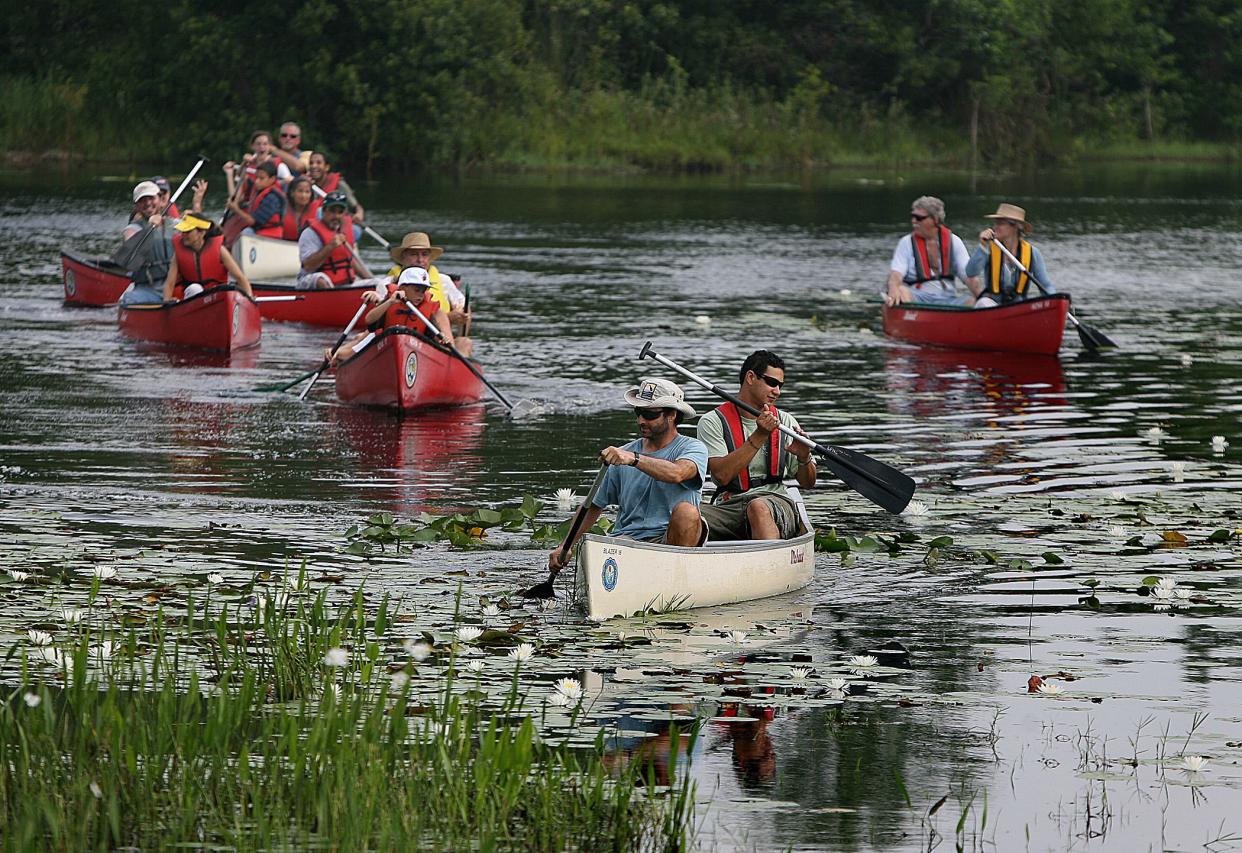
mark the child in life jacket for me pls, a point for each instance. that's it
(413, 287)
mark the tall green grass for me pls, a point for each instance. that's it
(227, 727)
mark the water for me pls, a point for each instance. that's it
(170, 465)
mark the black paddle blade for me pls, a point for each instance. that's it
(1092, 338)
(542, 589)
(881, 484)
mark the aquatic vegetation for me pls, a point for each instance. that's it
(104, 573)
(468, 633)
(522, 653)
(19, 576)
(570, 688)
(1194, 763)
(418, 650)
(863, 661)
(737, 638)
(915, 509)
(799, 673)
(1046, 689)
(491, 610)
(39, 638)
(564, 499)
(836, 683)
(336, 658)
(475, 666)
(1219, 443)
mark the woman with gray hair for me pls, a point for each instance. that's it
(927, 261)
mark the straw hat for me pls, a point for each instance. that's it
(415, 240)
(1013, 212)
(653, 393)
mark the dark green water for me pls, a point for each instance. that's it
(168, 464)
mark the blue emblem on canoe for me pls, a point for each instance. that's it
(254, 254)
(609, 575)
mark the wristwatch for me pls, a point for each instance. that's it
(637, 456)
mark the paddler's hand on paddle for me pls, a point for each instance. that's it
(155, 220)
(371, 298)
(797, 448)
(554, 560)
(986, 236)
(338, 240)
(765, 425)
(617, 456)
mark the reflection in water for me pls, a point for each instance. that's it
(928, 381)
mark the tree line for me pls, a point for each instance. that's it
(407, 84)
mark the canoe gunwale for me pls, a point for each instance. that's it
(715, 549)
(161, 306)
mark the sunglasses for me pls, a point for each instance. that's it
(772, 381)
(915, 216)
(291, 136)
(649, 414)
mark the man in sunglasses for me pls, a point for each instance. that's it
(655, 480)
(928, 260)
(749, 458)
(289, 150)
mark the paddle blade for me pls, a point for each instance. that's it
(1092, 338)
(540, 590)
(881, 484)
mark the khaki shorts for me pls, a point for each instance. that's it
(660, 540)
(727, 521)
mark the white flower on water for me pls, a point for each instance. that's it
(1161, 593)
(1156, 433)
(845, 291)
(737, 638)
(18, 576)
(558, 699)
(215, 578)
(336, 658)
(564, 498)
(102, 653)
(1116, 496)
(523, 653)
(836, 683)
(570, 687)
(621, 635)
(32, 700)
(1166, 583)
(96, 790)
(475, 666)
(334, 690)
(71, 615)
(104, 572)
(1117, 530)
(1219, 443)
(39, 638)
(491, 610)
(1182, 593)
(863, 330)
(398, 680)
(469, 633)
(702, 319)
(863, 660)
(798, 673)
(915, 509)
(1177, 470)
(546, 604)
(1194, 763)
(416, 649)
(1187, 359)
(1047, 689)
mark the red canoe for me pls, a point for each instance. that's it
(91, 281)
(1034, 325)
(404, 370)
(334, 307)
(221, 319)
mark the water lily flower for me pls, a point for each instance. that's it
(863, 660)
(39, 638)
(798, 673)
(32, 700)
(1219, 444)
(1117, 530)
(1117, 496)
(523, 653)
(836, 683)
(621, 635)
(863, 330)
(336, 657)
(96, 790)
(215, 578)
(571, 688)
(702, 319)
(1161, 593)
(399, 680)
(845, 291)
(560, 700)
(1156, 433)
(546, 604)
(469, 633)
(1194, 763)
(1187, 359)
(1182, 593)
(71, 615)
(737, 638)
(1047, 689)
(1177, 470)
(491, 610)
(334, 690)
(104, 572)
(102, 653)
(475, 666)
(564, 498)
(18, 576)
(915, 509)
(1166, 583)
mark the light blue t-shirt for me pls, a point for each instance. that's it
(1009, 274)
(645, 504)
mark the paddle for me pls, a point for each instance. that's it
(544, 589)
(439, 337)
(879, 483)
(326, 363)
(1091, 337)
(128, 252)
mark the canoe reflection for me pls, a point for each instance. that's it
(929, 381)
(417, 462)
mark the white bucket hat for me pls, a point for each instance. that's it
(653, 393)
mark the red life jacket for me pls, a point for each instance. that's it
(338, 266)
(399, 315)
(203, 267)
(174, 211)
(274, 227)
(312, 209)
(293, 224)
(922, 263)
(731, 421)
(331, 180)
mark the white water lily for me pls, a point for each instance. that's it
(915, 509)
(416, 649)
(334, 690)
(468, 633)
(32, 700)
(1219, 443)
(571, 688)
(1116, 496)
(798, 673)
(398, 680)
(102, 653)
(1187, 359)
(845, 291)
(1047, 689)
(1161, 593)
(475, 666)
(523, 653)
(18, 576)
(836, 683)
(104, 572)
(1182, 593)
(621, 635)
(564, 498)
(1194, 763)
(1177, 470)
(1166, 583)
(546, 604)
(702, 319)
(39, 638)
(737, 638)
(558, 699)
(1156, 433)
(96, 790)
(491, 610)
(215, 578)
(71, 615)
(336, 657)
(1117, 530)
(863, 660)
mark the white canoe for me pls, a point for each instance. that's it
(266, 259)
(622, 577)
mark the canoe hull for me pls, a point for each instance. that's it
(402, 370)
(221, 319)
(91, 281)
(332, 308)
(1033, 325)
(265, 258)
(620, 577)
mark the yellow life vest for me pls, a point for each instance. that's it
(436, 290)
(994, 268)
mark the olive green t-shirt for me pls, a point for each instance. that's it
(711, 432)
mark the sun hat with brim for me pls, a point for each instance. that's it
(415, 240)
(144, 189)
(413, 277)
(190, 222)
(1013, 212)
(652, 393)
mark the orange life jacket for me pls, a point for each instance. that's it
(922, 263)
(203, 267)
(731, 420)
(399, 315)
(338, 266)
(293, 224)
(331, 180)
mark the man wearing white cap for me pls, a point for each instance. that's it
(149, 264)
(655, 480)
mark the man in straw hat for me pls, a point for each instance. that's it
(1002, 281)
(927, 261)
(655, 480)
